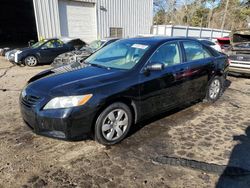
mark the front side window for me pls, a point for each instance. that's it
(53, 44)
(120, 55)
(39, 43)
(195, 51)
(168, 54)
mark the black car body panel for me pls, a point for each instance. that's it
(147, 93)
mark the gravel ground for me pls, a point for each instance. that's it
(216, 134)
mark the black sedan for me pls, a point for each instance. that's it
(44, 51)
(121, 84)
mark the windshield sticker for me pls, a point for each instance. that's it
(140, 46)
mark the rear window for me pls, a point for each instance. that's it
(195, 51)
(207, 42)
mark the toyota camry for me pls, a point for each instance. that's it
(120, 85)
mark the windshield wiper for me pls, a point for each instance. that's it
(96, 65)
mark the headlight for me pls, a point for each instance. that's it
(67, 102)
(16, 55)
(24, 93)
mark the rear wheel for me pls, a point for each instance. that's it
(30, 61)
(113, 124)
(215, 89)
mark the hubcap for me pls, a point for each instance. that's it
(214, 89)
(115, 124)
(31, 61)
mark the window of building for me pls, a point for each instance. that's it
(116, 32)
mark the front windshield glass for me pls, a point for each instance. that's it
(39, 43)
(121, 55)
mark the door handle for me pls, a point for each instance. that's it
(182, 69)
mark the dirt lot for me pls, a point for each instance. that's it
(202, 145)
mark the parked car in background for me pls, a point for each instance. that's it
(44, 51)
(121, 84)
(4, 50)
(10, 55)
(81, 54)
(224, 43)
(212, 44)
(239, 54)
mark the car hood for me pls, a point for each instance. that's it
(73, 53)
(73, 79)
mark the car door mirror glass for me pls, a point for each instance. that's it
(155, 67)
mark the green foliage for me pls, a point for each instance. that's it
(205, 13)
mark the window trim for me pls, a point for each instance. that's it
(169, 42)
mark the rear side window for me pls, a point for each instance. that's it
(168, 54)
(195, 51)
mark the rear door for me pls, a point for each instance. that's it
(199, 61)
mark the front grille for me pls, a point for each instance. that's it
(240, 57)
(30, 101)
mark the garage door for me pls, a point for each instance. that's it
(78, 19)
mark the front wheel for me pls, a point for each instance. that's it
(113, 124)
(215, 89)
(30, 61)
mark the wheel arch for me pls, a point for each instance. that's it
(129, 102)
(35, 55)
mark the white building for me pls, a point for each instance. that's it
(92, 19)
(24, 20)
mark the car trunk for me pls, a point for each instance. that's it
(241, 42)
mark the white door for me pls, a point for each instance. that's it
(78, 19)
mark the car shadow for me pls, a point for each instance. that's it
(238, 75)
(227, 84)
(162, 115)
(237, 171)
(138, 126)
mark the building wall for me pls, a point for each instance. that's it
(47, 18)
(134, 16)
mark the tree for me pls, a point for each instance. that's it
(205, 13)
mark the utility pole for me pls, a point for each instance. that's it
(224, 17)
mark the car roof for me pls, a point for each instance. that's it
(158, 39)
(63, 39)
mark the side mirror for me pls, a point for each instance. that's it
(155, 67)
(44, 47)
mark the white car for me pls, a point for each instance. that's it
(212, 44)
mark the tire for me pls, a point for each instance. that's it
(31, 61)
(214, 89)
(109, 132)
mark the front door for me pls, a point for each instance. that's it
(159, 89)
(50, 50)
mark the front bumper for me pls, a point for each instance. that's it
(67, 124)
(242, 67)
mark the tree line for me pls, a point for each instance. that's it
(220, 14)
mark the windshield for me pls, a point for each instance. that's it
(39, 43)
(121, 55)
